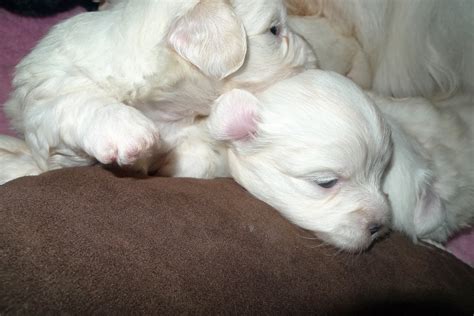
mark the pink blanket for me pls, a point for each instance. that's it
(20, 34)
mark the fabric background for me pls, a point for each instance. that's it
(18, 36)
(87, 241)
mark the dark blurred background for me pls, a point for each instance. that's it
(45, 7)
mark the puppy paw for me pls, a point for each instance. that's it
(123, 137)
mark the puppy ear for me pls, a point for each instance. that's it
(212, 38)
(234, 116)
(430, 213)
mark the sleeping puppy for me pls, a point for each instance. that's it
(396, 48)
(314, 147)
(109, 86)
(317, 149)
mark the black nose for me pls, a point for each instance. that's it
(374, 228)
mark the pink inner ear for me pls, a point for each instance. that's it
(242, 124)
(235, 116)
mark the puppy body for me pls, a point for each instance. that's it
(431, 178)
(114, 86)
(71, 92)
(396, 48)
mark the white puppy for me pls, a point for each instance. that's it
(315, 147)
(110, 85)
(397, 48)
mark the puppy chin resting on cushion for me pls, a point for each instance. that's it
(116, 86)
(318, 149)
(315, 148)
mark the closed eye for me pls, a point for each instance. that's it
(327, 184)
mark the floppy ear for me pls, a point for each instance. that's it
(234, 116)
(430, 213)
(212, 38)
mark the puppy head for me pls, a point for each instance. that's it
(314, 147)
(248, 39)
(274, 51)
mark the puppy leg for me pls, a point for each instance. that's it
(75, 126)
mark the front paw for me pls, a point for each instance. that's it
(124, 137)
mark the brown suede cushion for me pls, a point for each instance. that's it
(87, 240)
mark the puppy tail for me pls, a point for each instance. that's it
(16, 159)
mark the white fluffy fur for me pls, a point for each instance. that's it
(310, 129)
(116, 85)
(431, 177)
(398, 48)
(124, 90)
(16, 159)
(319, 125)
